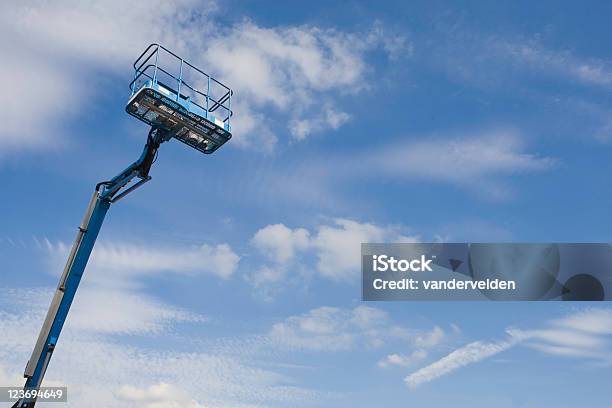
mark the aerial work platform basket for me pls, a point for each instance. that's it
(171, 94)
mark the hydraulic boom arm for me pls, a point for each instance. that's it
(106, 193)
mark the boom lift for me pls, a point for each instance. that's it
(190, 106)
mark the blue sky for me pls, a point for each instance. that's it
(232, 280)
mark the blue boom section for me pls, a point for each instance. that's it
(106, 193)
(64, 294)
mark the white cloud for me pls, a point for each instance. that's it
(280, 243)
(274, 65)
(294, 70)
(111, 32)
(336, 246)
(254, 129)
(430, 339)
(339, 245)
(336, 329)
(161, 395)
(365, 317)
(301, 128)
(598, 321)
(265, 278)
(422, 344)
(34, 108)
(403, 360)
(51, 50)
(584, 334)
(567, 351)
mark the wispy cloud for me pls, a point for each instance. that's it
(471, 158)
(583, 334)
(530, 54)
(482, 59)
(593, 320)
(301, 128)
(113, 302)
(332, 329)
(119, 373)
(469, 354)
(430, 339)
(120, 311)
(404, 360)
(422, 344)
(561, 88)
(132, 260)
(477, 161)
(484, 161)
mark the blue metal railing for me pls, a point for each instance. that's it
(147, 71)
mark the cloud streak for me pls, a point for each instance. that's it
(584, 334)
(483, 161)
(132, 260)
(462, 160)
(468, 354)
